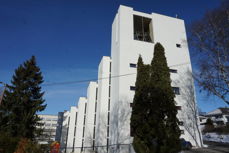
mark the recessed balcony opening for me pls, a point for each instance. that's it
(143, 29)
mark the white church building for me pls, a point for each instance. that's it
(102, 119)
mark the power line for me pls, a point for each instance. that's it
(88, 80)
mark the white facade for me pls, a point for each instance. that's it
(49, 128)
(107, 109)
(64, 132)
(90, 123)
(125, 50)
(72, 129)
(103, 105)
(80, 125)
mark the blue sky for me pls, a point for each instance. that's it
(69, 37)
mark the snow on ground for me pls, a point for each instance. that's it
(216, 137)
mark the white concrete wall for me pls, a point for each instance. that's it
(64, 132)
(103, 104)
(80, 125)
(49, 128)
(89, 140)
(72, 128)
(125, 50)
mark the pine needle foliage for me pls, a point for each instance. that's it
(154, 124)
(22, 101)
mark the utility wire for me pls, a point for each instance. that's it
(88, 80)
(81, 81)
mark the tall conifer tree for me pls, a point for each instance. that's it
(163, 106)
(23, 99)
(154, 124)
(139, 108)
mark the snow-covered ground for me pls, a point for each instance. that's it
(216, 137)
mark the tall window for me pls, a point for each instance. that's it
(176, 90)
(143, 29)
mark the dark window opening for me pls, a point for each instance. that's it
(107, 131)
(178, 45)
(172, 70)
(109, 93)
(133, 65)
(93, 145)
(109, 103)
(95, 120)
(181, 131)
(181, 123)
(110, 67)
(84, 120)
(178, 107)
(85, 108)
(110, 78)
(83, 131)
(142, 29)
(108, 119)
(73, 145)
(95, 107)
(132, 88)
(176, 90)
(96, 96)
(107, 145)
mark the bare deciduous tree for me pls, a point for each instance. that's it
(190, 116)
(210, 41)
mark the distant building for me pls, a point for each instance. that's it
(219, 116)
(49, 128)
(59, 126)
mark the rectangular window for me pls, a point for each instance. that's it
(110, 67)
(181, 123)
(107, 131)
(133, 65)
(94, 133)
(73, 145)
(172, 70)
(178, 107)
(108, 119)
(132, 88)
(93, 145)
(83, 131)
(110, 78)
(95, 107)
(109, 93)
(142, 28)
(95, 119)
(85, 108)
(96, 95)
(109, 103)
(176, 90)
(178, 45)
(84, 120)
(107, 145)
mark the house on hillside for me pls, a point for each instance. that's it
(219, 116)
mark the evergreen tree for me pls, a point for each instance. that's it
(154, 124)
(22, 100)
(163, 106)
(139, 108)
